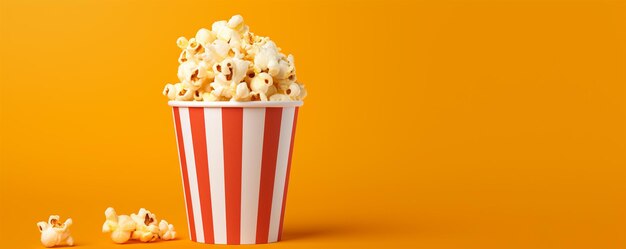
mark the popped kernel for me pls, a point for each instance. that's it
(169, 91)
(182, 42)
(146, 229)
(120, 227)
(54, 233)
(221, 48)
(260, 85)
(185, 94)
(293, 91)
(242, 92)
(166, 230)
(235, 22)
(207, 96)
(279, 97)
(205, 36)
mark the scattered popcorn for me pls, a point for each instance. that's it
(229, 62)
(54, 233)
(141, 226)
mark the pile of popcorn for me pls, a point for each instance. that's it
(229, 62)
(142, 226)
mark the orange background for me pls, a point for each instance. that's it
(456, 124)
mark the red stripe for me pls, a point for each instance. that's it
(183, 165)
(282, 212)
(198, 132)
(232, 128)
(271, 136)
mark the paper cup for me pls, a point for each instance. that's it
(235, 159)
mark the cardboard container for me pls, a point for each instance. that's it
(235, 159)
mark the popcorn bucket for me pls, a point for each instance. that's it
(235, 159)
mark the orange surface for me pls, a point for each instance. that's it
(458, 124)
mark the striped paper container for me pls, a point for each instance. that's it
(235, 159)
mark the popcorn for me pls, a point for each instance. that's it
(186, 70)
(267, 58)
(279, 97)
(204, 36)
(221, 48)
(182, 42)
(284, 70)
(54, 233)
(194, 47)
(294, 91)
(229, 62)
(121, 227)
(260, 85)
(170, 91)
(183, 57)
(203, 70)
(242, 92)
(185, 94)
(303, 93)
(142, 226)
(222, 30)
(197, 96)
(240, 68)
(209, 97)
(146, 229)
(221, 87)
(166, 230)
(235, 22)
(225, 67)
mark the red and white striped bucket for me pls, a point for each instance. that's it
(235, 159)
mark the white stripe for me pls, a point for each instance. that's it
(181, 171)
(191, 172)
(252, 154)
(286, 125)
(215, 154)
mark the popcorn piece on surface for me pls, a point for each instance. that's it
(215, 62)
(142, 226)
(121, 227)
(166, 231)
(146, 228)
(54, 232)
